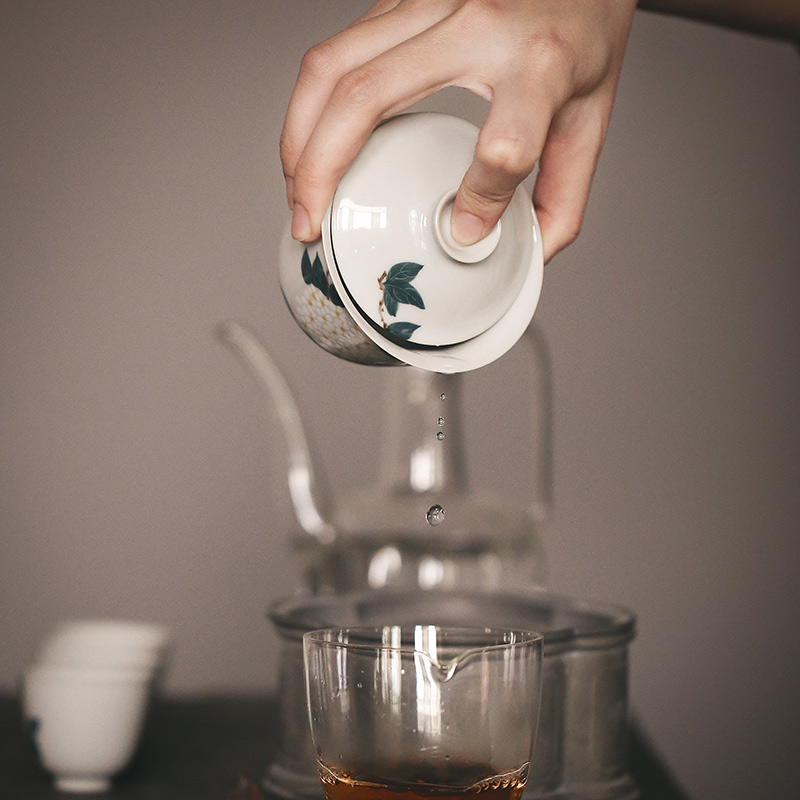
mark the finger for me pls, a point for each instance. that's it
(388, 84)
(510, 142)
(320, 69)
(384, 26)
(381, 7)
(566, 169)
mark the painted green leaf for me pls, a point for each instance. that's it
(390, 301)
(402, 330)
(404, 271)
(318, 276)
(333, 296)
(315, 275)
(305, 266)
(397, 287)
(396, 293)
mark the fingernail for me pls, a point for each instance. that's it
(290, 191)
(466, 228)
(301, 224)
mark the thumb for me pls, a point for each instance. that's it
(501, 162)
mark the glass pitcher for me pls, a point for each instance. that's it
(421, 711)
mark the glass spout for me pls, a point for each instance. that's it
(309, 499)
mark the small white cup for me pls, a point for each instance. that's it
(101, 643)
(85, 722)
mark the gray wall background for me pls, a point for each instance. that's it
(141, 473)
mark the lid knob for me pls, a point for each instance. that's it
(465, 253)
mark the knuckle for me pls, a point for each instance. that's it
(551, 52)
(320, 61)
(484, 11)
(478, 18)
(358, 89)
(509, 155)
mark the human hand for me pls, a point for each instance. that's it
(549, 68)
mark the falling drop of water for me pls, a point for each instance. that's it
(440, 435)
(435, 515)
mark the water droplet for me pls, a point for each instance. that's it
(442, 396)
(435, 515)
(440, 421)
(440, 435)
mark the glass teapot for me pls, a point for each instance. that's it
(422, 525)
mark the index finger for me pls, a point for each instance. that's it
(388, 84)
(386, 24)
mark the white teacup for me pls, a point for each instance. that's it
(85, 723)
(101, 643)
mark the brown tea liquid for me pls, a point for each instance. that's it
(421, 781)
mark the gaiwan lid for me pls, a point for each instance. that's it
(398, 271)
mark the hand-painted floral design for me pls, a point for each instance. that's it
(321, 314)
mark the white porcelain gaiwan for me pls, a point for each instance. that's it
(387, 284)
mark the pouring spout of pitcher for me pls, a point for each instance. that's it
(309, 498)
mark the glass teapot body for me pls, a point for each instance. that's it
(423, 524)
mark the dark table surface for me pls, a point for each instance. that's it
(196, 749)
